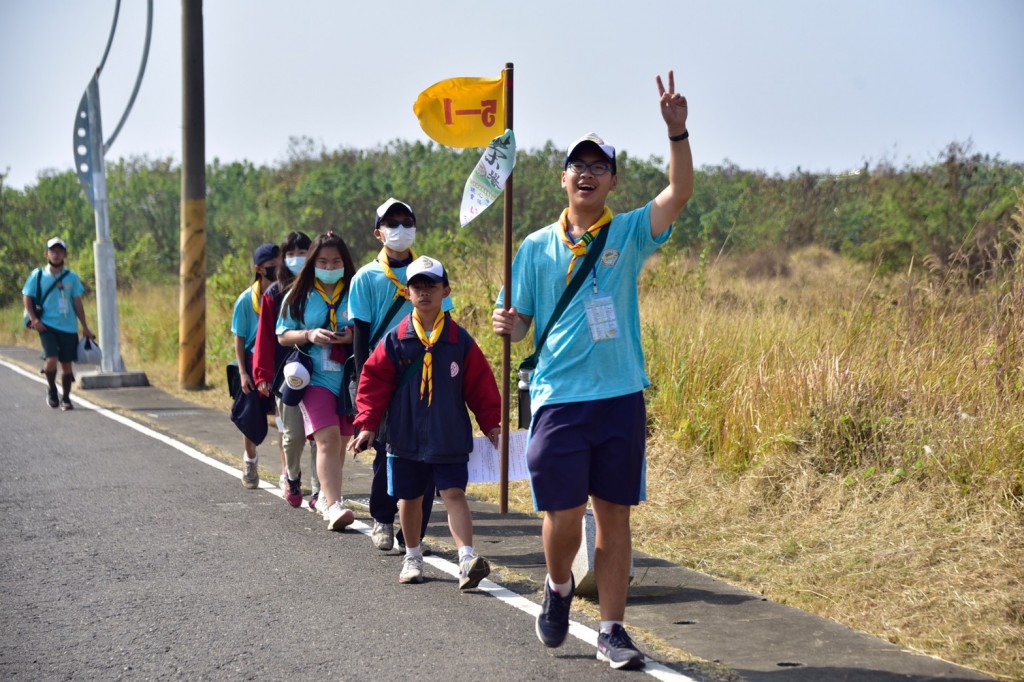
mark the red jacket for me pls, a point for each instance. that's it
(267, 353)
(390, 384)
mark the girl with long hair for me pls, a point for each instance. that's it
(314, 318)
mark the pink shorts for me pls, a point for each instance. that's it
(320, 410)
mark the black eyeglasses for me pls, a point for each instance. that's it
(391, 222)
(596, 168)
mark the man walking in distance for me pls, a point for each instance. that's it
(587, 433)
(53, 300)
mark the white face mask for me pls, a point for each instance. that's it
(398, 238)
(294, 263)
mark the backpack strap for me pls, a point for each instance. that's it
(530, 362)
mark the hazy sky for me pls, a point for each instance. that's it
(819, 84)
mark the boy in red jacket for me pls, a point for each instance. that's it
(422, 375)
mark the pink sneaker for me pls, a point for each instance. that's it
(293, 493)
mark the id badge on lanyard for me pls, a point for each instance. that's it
(601, 320)
(62, 301)
(326, 364)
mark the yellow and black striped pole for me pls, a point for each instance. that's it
(192, 298)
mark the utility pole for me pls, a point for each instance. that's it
(90, 149)
(192, 299)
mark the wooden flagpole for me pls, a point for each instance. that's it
(506, 341)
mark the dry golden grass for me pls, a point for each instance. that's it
(841, 443)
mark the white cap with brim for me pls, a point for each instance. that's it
(386, 206)
(425, 266)
(296, 379)
(56, 241)
(592, 139)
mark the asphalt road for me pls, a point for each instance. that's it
(124, 558)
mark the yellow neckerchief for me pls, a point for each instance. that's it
(332, 300)
(579, 249)
(427, 380)
(256, 295)
(382, 258)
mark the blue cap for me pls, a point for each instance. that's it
(265, 252)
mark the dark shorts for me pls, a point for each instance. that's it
(408, 479)
(60, 345)
(595, 448)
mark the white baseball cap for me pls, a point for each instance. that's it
(387, 205)
(296, 375)
(56, 241)
(425, 266)
(590, 139)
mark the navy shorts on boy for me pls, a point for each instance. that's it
(408, 478)
(597, 447)
(60, 345)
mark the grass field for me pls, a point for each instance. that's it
(840, 442)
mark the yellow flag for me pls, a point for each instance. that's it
(463, 112)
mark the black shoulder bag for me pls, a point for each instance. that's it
(527, 366)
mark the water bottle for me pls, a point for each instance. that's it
(524, 397)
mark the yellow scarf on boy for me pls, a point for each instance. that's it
(428, 341)
(382, 258)
(579, 248)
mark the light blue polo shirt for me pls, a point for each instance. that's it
(59, 306)
(244, 320)
(372, 295)
(572, 367)
(326, 372)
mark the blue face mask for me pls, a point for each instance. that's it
(329, 276)
(294, 263)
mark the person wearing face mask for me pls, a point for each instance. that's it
(268, 356)
(52, 296)
(378, 302)
(314, 319)
(244, 323)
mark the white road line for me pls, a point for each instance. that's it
(532, 609)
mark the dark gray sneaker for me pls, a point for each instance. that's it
(618, 650)
(553, 621)
(51, 398)
(250, 474)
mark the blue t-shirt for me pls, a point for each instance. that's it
(572, 367)
(59, 306)
(245, 320)
(326, 372)
(372, 295)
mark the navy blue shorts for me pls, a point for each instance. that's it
(597, 447)
(408, 479)
(60, 345)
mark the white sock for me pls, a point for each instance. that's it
(606, 625)
(562, 589)
(414, 551)
(465, 551)
(254, 459)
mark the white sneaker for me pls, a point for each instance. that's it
(338, 518)
(472, 570)
(412, 570)
(383, 536)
